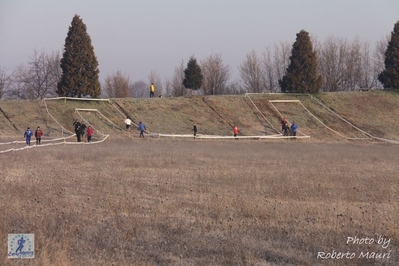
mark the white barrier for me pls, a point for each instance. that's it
(252, 137)
(323, 105)
(200, 136)
(96, 111)
(297, 101)
(349, 123)
(48, 112)
(59, 141)
(124, 115)
(76, 99)
(246, 95)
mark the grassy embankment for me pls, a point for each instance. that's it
(374, 112)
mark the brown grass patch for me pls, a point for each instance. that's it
(191, 202)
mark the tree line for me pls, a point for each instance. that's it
(307, 65)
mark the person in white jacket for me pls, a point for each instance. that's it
(128, 122)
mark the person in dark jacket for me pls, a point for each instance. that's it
(77, 125)
(28, 135)
(38, 135)
(285, 129)
(142, 129)
(294, 128)
(194, 130)
(284, 125)
(82, 129)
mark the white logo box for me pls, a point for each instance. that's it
(21, 246)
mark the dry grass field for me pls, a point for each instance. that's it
(194, 202)
(331, 199)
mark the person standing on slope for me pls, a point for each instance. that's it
(142, 129)
(194, 130)
(38, 135)
(28, 135)
(128, 122)
(89, 133)
(283, 124)
(77, 125)
(152, 90)
(235, 131)
(82, 129)
(294, 128)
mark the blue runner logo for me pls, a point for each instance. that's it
(21, 246)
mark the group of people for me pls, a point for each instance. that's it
(284, 124)
(294, 128)
(38, 135)
(285, 127)
(140, 127)
(80, 130)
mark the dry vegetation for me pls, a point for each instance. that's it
(374, 112)
(151, 201)
(192, 202)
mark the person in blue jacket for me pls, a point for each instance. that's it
(294, 128)
(28, 135)
(142, 129)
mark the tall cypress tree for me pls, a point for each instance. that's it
(301, 74)
(193, 75)
(79, 64)
(389, 77)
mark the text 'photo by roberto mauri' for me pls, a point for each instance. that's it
(378, 248)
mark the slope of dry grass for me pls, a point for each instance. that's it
(195, 202)
(374, 112)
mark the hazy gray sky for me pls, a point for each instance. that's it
(138, 36)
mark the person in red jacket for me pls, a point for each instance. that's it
(38, 135)
(235, 131)
(89, 133)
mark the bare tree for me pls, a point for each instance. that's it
(352, 74)
(357, 66)
(367, 79)
(275, 62)
(379, 58)
(155, 78)
(235, 87)
(252, 73)
(177, 81)
(37, 80)
(117, 85)
(332, 63)
(44, 73)
(139, 89)
(20, 85)
(270, 71)
(349, 66)
(5, 79)
(215, 74)
(168, 87)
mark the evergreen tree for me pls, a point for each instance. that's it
(193, 75)
(79, 64)
(389, 77)
(301, 74)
